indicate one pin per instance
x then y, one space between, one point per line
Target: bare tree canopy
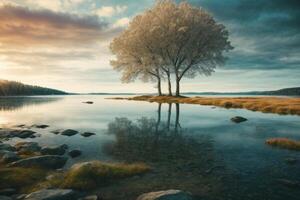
170 38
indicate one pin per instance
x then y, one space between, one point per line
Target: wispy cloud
108 11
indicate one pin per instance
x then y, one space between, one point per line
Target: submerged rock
7 147
52 194
42 126
69 132
27 147
166 195
238 119
8 156
57 150
47 162
87 134
56 131
24 134
74 153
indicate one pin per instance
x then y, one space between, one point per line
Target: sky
64 44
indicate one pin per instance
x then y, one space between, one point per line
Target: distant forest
13 88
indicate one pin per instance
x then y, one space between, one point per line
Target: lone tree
171 38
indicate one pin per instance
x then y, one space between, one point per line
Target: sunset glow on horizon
64 44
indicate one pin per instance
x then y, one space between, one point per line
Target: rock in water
8 156
27 147
88 102
25 134
58 150
238 119
69 132
47 162
52 194
166 195
87 134
74 153
7 147
42 126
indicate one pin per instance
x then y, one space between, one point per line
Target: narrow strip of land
279 105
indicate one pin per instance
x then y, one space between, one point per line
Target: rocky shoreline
29 171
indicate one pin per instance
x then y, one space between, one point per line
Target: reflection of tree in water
14 103
179 160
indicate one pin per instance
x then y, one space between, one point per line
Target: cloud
108 11
262 32
123 22
39 43
25 27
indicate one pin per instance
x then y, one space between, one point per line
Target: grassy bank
284 143
277 105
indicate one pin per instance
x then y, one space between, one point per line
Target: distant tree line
12 88
170 39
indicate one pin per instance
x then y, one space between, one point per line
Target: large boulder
48 162
7 147
27 147
166 195
52 194
8 156
24 134
238 119
69 132
57 150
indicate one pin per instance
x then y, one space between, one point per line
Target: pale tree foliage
134 56
170 38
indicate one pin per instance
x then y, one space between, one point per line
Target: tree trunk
169 84
158 117
177 87
159 86
169 116
177 117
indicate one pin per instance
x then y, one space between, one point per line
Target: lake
190 147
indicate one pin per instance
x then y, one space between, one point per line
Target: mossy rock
89 175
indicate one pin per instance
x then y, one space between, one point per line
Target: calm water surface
191 147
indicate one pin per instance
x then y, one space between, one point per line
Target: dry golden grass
284 143
90 175
277 105
21 179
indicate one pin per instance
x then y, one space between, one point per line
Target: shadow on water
15 103
179 160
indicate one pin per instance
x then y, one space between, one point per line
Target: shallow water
191 147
